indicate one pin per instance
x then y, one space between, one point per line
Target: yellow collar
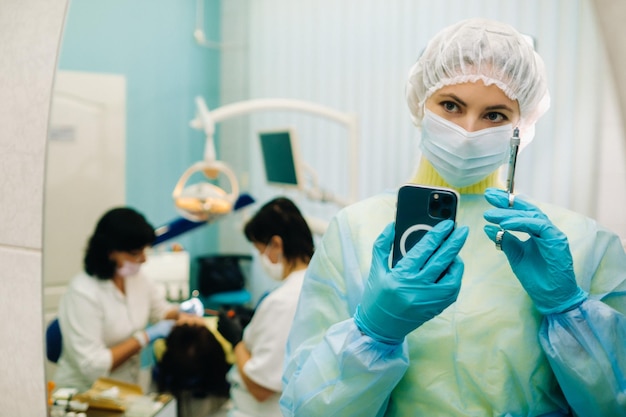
426 175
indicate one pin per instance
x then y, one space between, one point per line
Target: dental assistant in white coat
283 239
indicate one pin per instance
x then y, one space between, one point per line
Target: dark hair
281 217
119 229
195 361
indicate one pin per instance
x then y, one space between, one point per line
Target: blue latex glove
159 330
192 306
543 263
397 301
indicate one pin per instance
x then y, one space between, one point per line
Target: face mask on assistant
273 270
128 269
463 158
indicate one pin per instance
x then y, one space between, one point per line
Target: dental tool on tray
515 141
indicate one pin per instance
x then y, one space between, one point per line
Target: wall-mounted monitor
281 157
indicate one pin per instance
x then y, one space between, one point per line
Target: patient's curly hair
193 361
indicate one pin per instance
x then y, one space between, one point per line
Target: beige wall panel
30 31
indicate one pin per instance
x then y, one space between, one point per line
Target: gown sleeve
586 347
332 369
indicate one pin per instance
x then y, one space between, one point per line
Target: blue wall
151 43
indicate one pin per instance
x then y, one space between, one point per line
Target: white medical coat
94 315
265 337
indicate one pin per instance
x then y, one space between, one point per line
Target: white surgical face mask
463 158
128 269
273 270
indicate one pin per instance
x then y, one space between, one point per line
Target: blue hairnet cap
487 50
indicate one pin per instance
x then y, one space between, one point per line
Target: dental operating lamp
204 202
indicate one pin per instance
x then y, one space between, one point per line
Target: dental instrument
515 142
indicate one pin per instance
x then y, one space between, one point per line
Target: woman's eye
496 117
450 106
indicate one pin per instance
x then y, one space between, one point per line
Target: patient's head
194 360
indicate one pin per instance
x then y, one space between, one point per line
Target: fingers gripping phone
418 210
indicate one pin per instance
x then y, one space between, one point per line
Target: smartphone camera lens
441 205
434 205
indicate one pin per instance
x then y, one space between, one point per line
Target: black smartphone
419 209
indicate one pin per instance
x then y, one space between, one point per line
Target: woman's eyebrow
499 107
462 103
453 97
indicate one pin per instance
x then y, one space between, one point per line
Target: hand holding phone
398 300
419 208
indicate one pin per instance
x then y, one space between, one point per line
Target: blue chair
54 341
227 299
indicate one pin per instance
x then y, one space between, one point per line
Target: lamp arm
314 192
205 122
250 106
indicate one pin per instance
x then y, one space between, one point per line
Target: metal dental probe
515 141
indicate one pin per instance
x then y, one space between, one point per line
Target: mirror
145 67
119 131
